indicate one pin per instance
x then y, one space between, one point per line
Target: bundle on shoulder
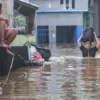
88 35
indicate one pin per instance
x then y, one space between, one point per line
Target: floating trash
0 91
58 59
0 88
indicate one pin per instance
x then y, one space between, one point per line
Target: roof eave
34 6
61 11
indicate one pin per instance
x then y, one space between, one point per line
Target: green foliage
20 21
27 43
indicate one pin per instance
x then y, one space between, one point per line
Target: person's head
87 44
0 8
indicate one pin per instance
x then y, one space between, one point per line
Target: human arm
79 41
2 18
97 41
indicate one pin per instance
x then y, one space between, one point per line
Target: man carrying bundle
87 39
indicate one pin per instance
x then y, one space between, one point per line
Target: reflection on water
72 78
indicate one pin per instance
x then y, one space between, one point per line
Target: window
73 4
61 1
67 4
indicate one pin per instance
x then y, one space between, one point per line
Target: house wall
54 19
55 4
57 19
96 16
8 10
51 13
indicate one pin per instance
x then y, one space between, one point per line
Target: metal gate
42 34
65 34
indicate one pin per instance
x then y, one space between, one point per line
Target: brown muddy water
67 77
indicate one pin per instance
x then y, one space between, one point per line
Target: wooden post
31 22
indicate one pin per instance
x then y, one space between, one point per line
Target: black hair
89 41
0 6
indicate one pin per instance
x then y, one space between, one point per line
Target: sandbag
88 35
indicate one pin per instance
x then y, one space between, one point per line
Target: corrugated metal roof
24 7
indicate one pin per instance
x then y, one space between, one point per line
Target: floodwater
67 77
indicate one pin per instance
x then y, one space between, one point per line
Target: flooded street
67 77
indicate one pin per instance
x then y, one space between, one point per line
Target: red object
38 57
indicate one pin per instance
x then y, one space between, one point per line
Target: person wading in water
87 50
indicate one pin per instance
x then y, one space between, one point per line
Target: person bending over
87 50
7 35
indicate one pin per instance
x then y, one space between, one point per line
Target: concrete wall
58 19
8 10
91 11
55 4
54 19
99 18
20 40
81 5
96 16
4 8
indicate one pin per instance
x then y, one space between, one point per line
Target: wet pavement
67 77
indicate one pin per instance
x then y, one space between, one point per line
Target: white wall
55 4
8 10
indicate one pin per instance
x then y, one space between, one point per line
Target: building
94 15
29 11
26 9
60 21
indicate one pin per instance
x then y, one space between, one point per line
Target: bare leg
10 36
2 32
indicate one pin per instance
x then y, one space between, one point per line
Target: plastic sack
37 57
88 35
31 51
44 52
